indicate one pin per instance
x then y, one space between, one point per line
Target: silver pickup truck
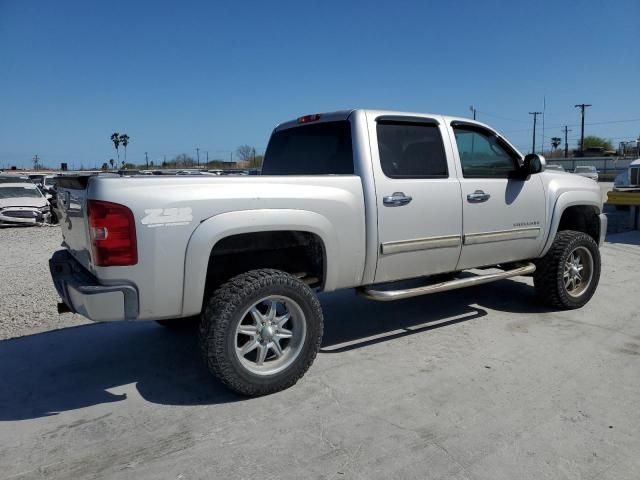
351 199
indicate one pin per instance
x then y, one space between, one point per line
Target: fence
606 165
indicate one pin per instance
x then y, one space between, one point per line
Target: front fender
564 201
214 229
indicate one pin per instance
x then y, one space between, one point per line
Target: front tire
260 332
568 275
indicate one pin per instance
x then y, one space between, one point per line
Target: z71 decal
167 217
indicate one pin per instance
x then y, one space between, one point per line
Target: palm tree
115 138
124 139
555 143
112 162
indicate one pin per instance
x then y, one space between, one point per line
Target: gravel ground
28 297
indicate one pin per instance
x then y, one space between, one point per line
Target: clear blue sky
215 75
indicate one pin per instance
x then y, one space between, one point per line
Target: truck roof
338 115
344 114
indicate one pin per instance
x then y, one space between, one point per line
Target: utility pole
535 118
146 158
207 157
565 129
582 106
473 110
35 161
198 155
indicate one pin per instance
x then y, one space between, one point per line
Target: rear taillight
113 234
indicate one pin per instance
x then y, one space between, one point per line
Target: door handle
478 197
396 200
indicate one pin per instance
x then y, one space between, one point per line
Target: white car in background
588 171
554 168
22 203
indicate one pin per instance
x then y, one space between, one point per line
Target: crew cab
351 199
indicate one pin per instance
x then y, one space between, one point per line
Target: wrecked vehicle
22 203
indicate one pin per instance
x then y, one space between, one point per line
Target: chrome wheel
270 335
578 271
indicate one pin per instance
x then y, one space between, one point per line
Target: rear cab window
314 149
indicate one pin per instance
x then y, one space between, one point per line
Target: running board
389 295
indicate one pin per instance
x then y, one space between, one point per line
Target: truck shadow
62 370
370 322
72 368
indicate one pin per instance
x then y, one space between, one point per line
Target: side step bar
389 295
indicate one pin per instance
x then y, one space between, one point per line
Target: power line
500 116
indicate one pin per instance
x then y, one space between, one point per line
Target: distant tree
594 141
256 162
115 138
164 164
105 166
245 152
183 160
112 162
124 140
151 163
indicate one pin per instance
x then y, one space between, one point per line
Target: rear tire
568 275
260 332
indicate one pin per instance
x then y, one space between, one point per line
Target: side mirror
533 163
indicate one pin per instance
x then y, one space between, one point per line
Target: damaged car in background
22 203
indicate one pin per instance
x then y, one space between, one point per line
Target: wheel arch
215 230
569 207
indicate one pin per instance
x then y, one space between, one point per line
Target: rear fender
214 229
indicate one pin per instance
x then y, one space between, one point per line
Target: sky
176 76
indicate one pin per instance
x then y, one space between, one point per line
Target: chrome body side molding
402 246
501 235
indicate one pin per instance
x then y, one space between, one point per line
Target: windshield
17 192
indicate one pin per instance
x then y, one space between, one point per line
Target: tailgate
72 211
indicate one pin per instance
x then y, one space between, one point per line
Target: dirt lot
481 383
28 297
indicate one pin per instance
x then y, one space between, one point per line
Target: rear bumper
83 294
603 228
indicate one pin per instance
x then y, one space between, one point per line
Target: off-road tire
548 277
222 314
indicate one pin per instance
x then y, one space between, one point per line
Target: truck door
504 217
418 197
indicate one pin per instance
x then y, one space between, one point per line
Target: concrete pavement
481 383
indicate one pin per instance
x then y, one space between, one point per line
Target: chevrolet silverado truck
351 199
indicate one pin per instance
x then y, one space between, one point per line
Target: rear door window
316 149
411 150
